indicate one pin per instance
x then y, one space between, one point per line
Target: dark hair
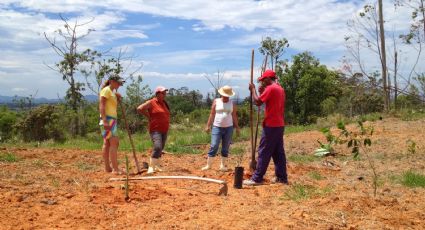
106 83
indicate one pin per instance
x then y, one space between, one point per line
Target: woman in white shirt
223 113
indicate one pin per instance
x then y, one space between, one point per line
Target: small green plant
327 148
411 147
358 141
55 183
412 179
8 157
315 175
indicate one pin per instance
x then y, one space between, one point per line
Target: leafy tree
136 93
273 48
307 85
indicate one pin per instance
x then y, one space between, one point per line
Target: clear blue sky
179 42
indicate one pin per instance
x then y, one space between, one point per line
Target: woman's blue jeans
220 134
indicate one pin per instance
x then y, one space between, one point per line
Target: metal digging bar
223 189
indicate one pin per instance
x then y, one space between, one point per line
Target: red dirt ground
67 189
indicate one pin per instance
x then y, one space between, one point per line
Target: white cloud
19 89
318 26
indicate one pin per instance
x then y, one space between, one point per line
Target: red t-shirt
159 114
274 98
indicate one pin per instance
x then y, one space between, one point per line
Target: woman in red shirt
158 113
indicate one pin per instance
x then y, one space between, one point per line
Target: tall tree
274 49
68 67
367 34
383 56
307 85
216 82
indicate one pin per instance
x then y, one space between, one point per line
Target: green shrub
42 123
7 121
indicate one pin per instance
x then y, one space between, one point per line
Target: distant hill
42 100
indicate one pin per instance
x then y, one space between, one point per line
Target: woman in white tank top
223 119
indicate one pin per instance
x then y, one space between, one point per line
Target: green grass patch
179 149
8 157
412 179
299 192
315 175
302 159
299 128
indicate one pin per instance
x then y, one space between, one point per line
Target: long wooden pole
253 163
259 107
131 139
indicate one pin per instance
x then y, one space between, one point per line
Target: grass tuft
315 175
302 159
8 157
412 179
300 192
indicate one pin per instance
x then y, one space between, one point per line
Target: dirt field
67 189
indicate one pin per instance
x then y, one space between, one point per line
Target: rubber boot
223 164
157 167
209 163
151 168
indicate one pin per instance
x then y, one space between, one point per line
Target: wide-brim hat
226 91
267 74
117 78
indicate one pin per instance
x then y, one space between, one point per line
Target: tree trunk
383 56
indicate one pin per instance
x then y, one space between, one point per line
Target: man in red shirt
271 143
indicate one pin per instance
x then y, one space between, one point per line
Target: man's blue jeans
220 134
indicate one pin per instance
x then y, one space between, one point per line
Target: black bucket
238 177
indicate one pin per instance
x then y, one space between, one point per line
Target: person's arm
255 97
143 108
102 109
235 120
210 118
118 95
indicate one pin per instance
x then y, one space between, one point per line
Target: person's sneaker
277 180
250 182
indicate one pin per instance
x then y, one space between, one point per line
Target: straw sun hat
226 91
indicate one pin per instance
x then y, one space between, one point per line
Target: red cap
268 73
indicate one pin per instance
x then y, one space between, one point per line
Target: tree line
312 89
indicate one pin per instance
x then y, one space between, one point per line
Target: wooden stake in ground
253 163
139 171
